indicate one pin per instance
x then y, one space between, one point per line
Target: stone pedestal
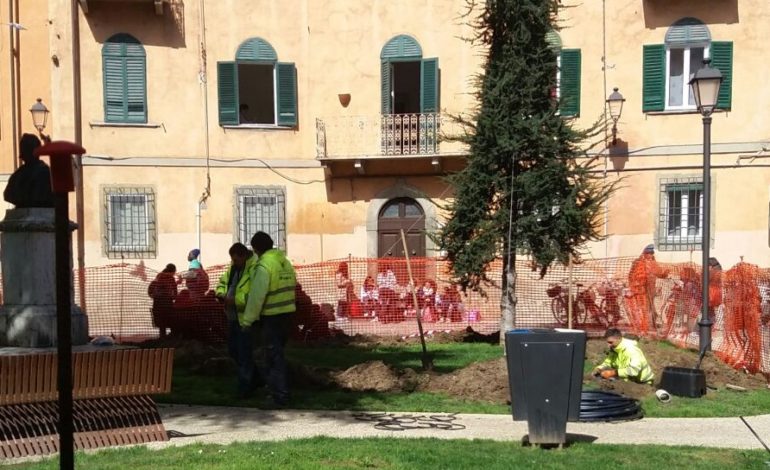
27 257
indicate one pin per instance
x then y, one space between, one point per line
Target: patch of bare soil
488 381
485 381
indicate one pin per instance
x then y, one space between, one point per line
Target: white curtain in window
129 222
259 213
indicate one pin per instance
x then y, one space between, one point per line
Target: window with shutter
668 67
409 84
568 69
124 74
410 88
256 88
569 82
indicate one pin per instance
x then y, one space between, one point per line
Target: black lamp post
705 88
615 104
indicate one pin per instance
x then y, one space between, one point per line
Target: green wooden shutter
386 72
722 59
256 49
124 67
569 85
401 47
136 89
286 77
114 89
429 91
227 89
654 78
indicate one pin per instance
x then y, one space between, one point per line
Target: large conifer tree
528 187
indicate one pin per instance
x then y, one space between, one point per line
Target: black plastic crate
683 382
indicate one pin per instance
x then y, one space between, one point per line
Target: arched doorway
396 214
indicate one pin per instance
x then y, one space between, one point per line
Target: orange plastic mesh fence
372 296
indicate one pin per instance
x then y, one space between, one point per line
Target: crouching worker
233 290
624 360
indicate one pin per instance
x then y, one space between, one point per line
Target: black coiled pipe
607 406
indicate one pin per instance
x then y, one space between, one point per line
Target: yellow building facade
321 122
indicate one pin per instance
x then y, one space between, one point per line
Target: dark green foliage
518 140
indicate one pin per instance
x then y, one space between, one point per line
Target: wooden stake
427 364
569 293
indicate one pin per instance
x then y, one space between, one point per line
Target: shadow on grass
447 357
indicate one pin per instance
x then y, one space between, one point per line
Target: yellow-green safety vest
281 296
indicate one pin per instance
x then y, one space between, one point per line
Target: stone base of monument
34 326
28 260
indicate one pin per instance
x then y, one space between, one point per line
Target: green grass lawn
718 403
191 388
394 453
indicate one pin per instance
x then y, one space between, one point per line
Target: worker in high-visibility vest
272 301
625 360
233 290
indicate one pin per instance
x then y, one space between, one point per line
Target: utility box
545 374
683 382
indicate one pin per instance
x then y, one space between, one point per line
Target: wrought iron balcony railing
387 134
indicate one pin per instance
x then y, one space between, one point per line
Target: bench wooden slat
32 378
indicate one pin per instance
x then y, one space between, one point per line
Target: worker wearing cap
641 282
625 360
192 258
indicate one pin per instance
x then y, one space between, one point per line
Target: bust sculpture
30 184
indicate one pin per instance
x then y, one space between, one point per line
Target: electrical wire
221 160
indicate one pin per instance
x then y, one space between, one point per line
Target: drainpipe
606 135
203 77
12 44
77 121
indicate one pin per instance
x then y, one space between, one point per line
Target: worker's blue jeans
275 334
240 345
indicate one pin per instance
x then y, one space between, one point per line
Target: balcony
158 4
369 145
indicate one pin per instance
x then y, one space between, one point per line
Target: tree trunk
508 298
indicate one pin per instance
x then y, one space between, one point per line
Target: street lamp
39 117
705 88
615 104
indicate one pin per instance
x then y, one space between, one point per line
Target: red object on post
62 167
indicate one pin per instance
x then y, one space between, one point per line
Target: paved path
222 425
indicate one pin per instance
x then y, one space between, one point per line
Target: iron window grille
130 229
260 208
680 219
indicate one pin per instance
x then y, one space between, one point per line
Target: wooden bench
111 392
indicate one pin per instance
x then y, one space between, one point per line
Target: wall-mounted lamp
39 117
615 103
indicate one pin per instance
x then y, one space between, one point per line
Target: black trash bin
545 374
